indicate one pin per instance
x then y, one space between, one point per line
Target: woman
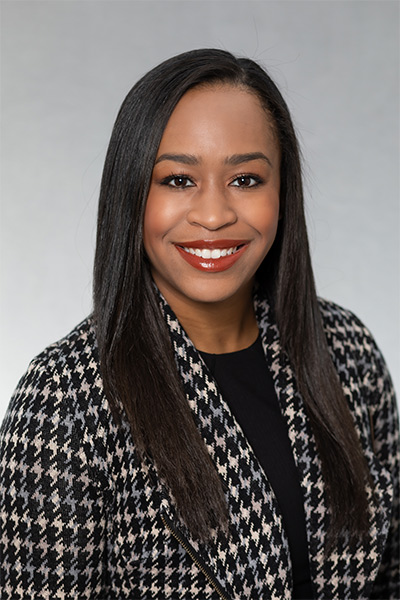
213 430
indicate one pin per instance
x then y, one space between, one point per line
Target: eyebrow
186 159
235 159
238 159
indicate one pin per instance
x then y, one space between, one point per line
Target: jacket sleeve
52 518
384 415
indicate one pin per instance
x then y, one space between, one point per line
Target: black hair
136 357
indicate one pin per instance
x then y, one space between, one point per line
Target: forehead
211 117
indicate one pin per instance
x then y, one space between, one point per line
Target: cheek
160 217
265 218
155 221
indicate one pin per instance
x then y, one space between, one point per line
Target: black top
246 384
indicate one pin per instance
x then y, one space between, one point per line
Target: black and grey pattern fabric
81 517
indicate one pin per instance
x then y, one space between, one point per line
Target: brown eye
246 181
178 181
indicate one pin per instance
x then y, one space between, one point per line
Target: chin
215 291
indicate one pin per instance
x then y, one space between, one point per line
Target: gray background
66 67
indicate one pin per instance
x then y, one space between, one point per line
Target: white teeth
206 253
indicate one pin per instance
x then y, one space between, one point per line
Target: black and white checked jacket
81 518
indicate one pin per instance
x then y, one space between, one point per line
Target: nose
211 209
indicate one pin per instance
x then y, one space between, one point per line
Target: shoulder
353 348
72 357
343 327
67 368
340 322
60 397
79 346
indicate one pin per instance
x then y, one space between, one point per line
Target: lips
212 256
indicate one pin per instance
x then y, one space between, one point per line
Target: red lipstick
213 264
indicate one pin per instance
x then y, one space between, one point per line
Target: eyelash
258 180
167 180
170 178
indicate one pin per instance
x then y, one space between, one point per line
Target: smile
216 253
212 256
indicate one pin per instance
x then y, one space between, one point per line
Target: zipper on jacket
195 558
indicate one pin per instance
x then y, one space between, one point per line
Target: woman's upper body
83 517
124 471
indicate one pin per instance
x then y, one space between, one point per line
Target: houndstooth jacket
81 517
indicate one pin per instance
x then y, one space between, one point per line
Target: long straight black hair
136 357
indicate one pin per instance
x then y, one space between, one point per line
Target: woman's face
213 206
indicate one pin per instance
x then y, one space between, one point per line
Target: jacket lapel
346 571
301 439
254 561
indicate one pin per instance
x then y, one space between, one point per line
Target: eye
178 181
246 181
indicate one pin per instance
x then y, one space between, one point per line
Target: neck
218 327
